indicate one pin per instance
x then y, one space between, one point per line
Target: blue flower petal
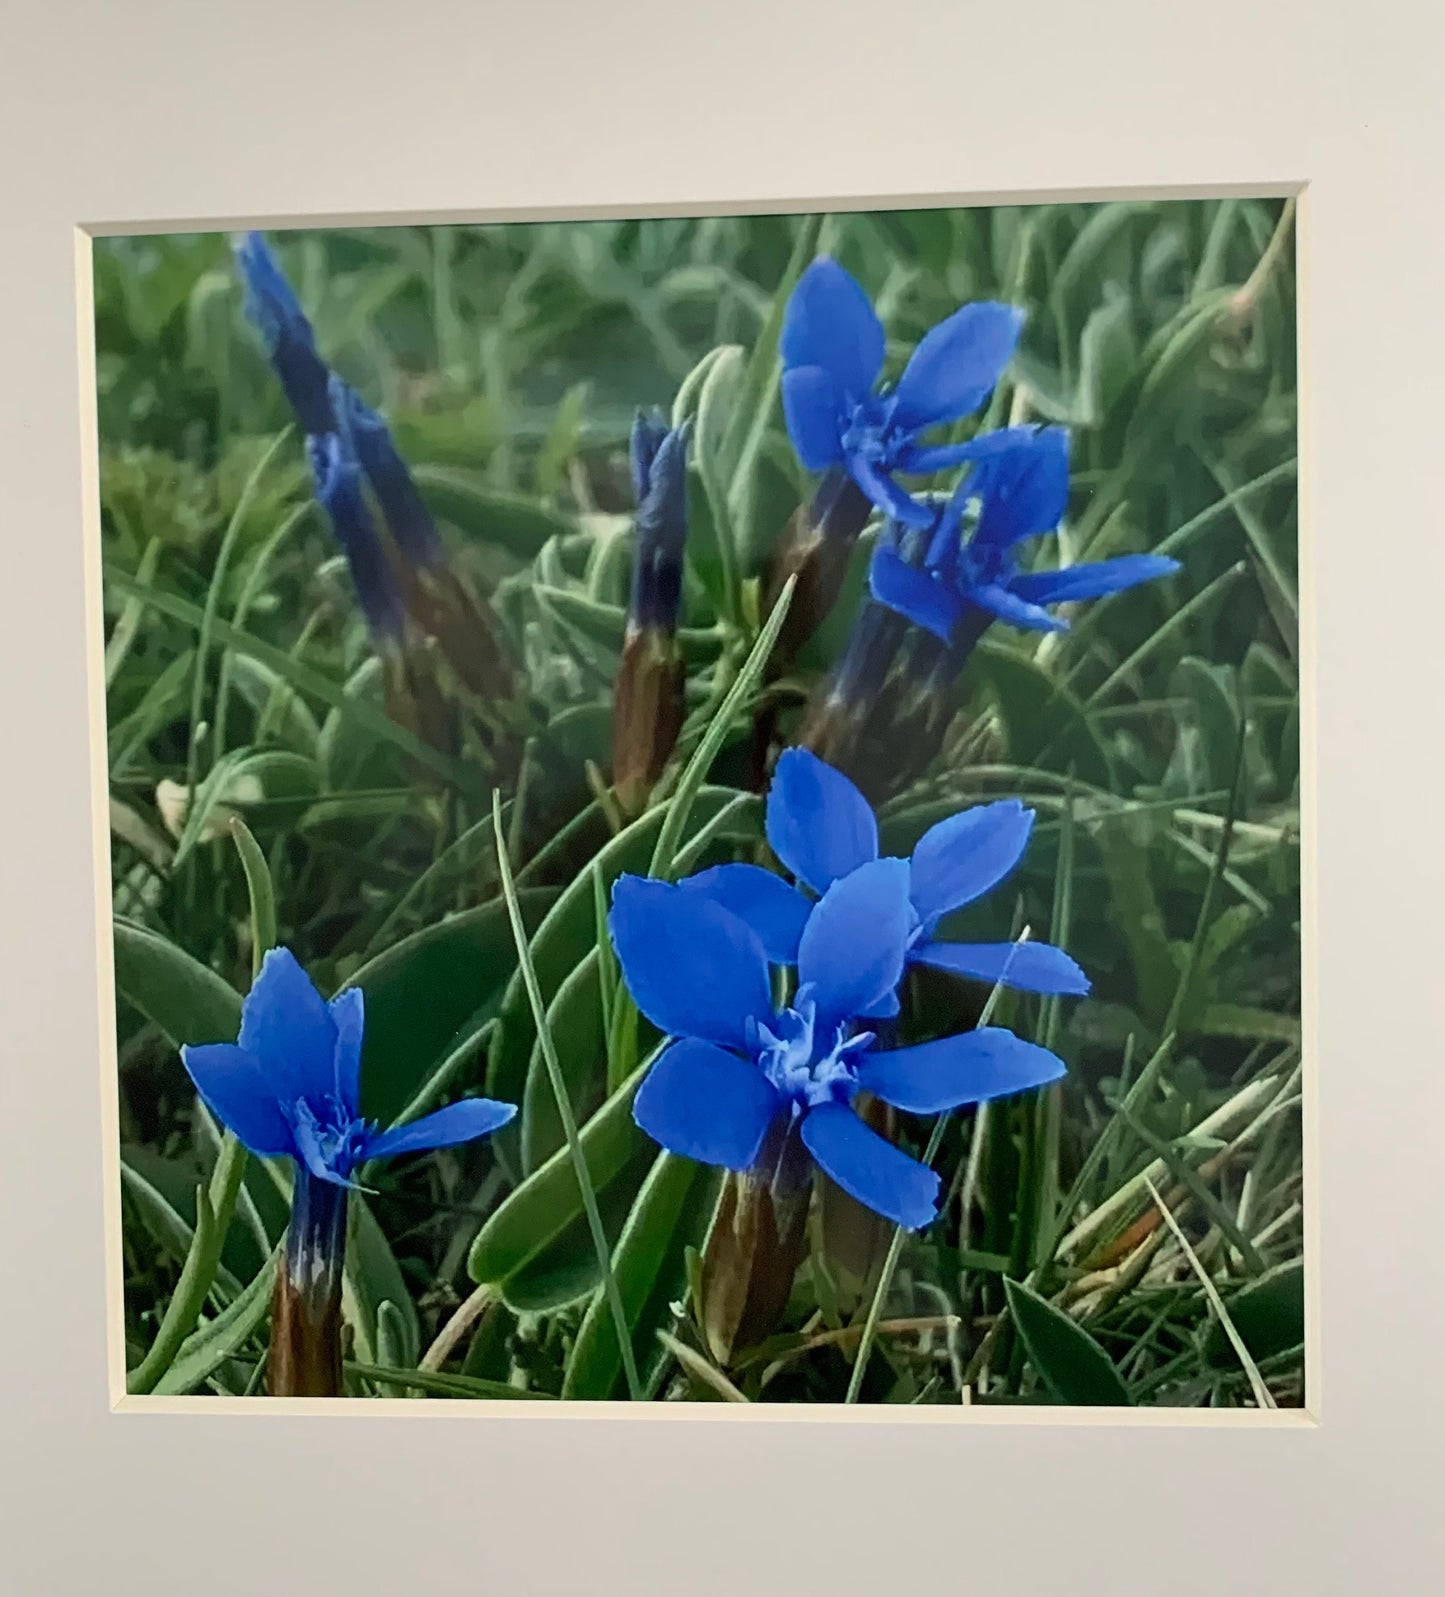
287 1028
238 1090
956 364
330 1164
869 1168
818 824
649 428
853 947
988 1063
888 1007
1024 486
707 1104
922 598
1092 581
1000 602
812 408
348 1014
1031 967
830 323
692 968
960 858
774 909
458 1122
886 494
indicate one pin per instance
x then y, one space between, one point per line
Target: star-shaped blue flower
745 1081
291 1082
822 829
1020 481
832 346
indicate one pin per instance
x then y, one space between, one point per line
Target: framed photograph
732 831
719 814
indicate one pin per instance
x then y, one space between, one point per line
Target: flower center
805 1065
982 564
869 434
337 1139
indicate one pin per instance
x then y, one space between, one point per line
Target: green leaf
187 1001
685 401
565 936
575 1019
421 991
1071 1363
1085 266
208 1347
520 526
1269 1315
1250 1023
539 1211
671 1214
606 624
563 439
1042 717
172 1232
437 1384
567 1271
1213 695
1139 919
373 1278
164 700
279 774
1107 355
712 549
289 719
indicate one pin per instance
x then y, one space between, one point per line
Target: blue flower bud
338 488
407 518
659 476
273 309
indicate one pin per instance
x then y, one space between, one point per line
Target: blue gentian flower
290 1085
337 475
658 457
754 1087
832 346
952 586
291 1082
275 312
823 829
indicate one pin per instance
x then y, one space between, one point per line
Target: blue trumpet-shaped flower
832 346
823 830
291 1082
951 586
744 1081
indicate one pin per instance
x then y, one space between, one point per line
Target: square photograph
707 809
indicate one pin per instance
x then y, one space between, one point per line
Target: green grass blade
564 1103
